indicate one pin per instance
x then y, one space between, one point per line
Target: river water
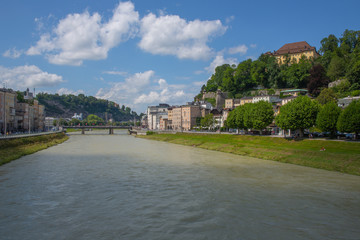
99 186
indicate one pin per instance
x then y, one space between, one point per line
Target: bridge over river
111 128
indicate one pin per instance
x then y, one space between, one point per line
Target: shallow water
98 186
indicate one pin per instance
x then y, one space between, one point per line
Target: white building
154 113
344 102
266 98
78 116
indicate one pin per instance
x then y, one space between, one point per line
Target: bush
150 133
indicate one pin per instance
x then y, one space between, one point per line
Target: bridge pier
83 131
111 131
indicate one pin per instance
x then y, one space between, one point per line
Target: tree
350 40
20 96
92 119
231 119
242 76
297 74
298 114
258 115
349 119
317 79
208 121
216 79
327 118
74 122
259 75
336 68
354 73
326 95
235 118
329 44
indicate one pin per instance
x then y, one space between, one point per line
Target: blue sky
141 53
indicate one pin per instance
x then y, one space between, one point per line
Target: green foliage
336 68
60 105
326 95
327 118
349 120
298 114
354 73
230 121
261 114
211 100
251 115
198 121
20 96
208 121
340 58
150 133
94 120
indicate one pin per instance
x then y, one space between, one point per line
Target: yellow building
294 51
245 100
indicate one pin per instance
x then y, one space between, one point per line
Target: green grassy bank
338 156
12 149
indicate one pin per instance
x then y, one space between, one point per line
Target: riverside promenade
11 136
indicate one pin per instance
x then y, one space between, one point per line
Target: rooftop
296 47
294 90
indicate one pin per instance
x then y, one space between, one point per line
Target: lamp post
29 116
4 103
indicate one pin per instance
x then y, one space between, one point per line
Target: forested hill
339 59
66 105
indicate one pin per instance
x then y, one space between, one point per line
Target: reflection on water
99 186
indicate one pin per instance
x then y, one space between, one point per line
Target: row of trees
251 116
300 114
340 59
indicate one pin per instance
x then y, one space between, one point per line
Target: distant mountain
66 105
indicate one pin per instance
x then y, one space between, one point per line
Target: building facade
184 117
18 115
267 98
293 52
245 100
154 113
231 103
7 112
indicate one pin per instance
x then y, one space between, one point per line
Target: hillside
339 59
65 106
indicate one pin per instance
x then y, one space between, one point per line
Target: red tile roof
297 47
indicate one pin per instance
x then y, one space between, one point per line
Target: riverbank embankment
329 155
11 149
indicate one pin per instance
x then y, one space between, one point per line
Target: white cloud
28 76
116 73
253 45
229 19
172 35
220 60
242 49
142 89
83 36
124 90
65 91
165 94
199 83
12 53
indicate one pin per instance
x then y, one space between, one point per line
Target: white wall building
154 113
266 98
